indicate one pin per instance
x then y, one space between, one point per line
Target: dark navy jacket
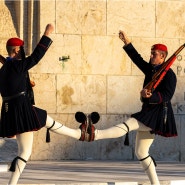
18 115
153 109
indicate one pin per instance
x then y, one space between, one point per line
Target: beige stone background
99 76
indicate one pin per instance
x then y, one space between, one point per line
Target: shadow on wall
14 8
26 21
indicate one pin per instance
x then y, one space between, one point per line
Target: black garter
150 162
13 164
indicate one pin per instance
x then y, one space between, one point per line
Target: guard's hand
145 93
123 37
48 30
32 83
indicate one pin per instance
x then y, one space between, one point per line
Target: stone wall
99 76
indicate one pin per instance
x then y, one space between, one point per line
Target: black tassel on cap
48 134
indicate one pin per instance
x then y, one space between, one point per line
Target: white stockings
120 129
24 142
62 129
144 139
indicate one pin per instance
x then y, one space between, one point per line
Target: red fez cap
161 47
15 42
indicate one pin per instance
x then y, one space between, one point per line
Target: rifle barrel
159 75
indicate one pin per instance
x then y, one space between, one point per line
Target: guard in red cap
159 53
156 115
160 47
15 42
18 116
11 45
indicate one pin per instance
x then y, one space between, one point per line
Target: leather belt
14 96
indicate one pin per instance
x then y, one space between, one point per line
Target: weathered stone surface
104 55
62 46
81 93
47 14
168 16
7 27
87 17
98 76
45 97
136 18
119 91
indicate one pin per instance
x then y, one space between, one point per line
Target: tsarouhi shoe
87 127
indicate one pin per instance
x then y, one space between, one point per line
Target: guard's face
17 52
156 57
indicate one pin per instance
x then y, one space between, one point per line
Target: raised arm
124 38
48 30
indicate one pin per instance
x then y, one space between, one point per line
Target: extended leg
143 142
24 142
59 128
120 130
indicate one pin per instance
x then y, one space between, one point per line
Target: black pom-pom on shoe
95 117
80 117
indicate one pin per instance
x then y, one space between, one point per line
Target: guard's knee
152 160
139 154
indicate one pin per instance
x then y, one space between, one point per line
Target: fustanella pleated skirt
18 115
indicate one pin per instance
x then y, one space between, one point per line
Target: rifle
159 75
2 60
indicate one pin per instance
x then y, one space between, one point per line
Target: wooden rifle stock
2 59
159 75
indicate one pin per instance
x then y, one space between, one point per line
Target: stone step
4 168
72 172
113 183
